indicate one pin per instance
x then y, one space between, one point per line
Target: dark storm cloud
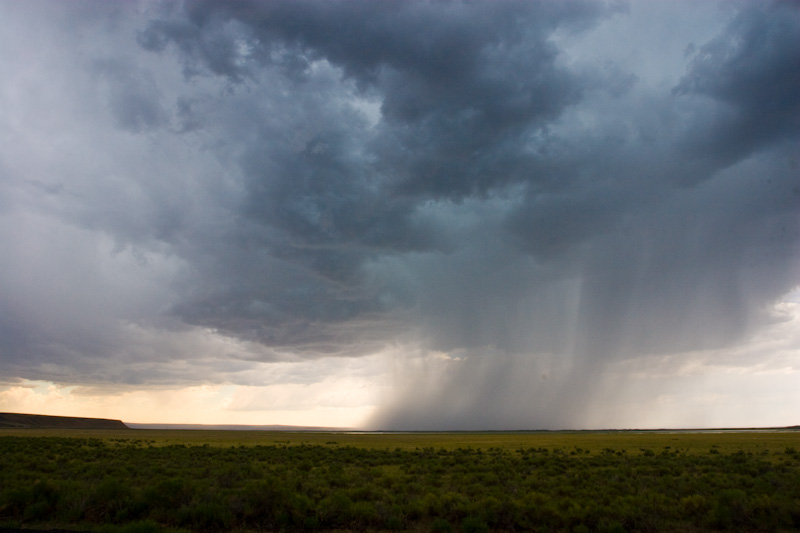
132 96
752 72
462 91
318 179
461 85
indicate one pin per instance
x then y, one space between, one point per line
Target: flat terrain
691 442
195 480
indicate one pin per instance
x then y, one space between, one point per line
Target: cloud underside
203 188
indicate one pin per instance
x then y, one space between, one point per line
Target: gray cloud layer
329 178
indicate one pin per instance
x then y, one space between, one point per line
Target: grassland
692 442
195 480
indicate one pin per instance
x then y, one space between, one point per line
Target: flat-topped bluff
19 420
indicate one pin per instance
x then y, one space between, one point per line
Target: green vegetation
593 441
146 481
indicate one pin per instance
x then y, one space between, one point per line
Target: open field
153 480
691 442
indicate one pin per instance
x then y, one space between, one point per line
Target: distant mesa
241 427
24 421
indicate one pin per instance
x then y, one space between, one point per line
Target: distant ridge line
238 427
322 429
29 421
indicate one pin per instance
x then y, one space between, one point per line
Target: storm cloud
507 196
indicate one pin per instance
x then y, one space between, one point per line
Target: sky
401 214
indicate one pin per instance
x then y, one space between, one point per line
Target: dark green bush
474 524
441 525
121 485
730 509
143 526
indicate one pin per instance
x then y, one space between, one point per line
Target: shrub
205 516
363 514
109 501
441 525
394 522
335 510
610 526
14 501
143 526
730 509
69 483
474 524
43 500
168 494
